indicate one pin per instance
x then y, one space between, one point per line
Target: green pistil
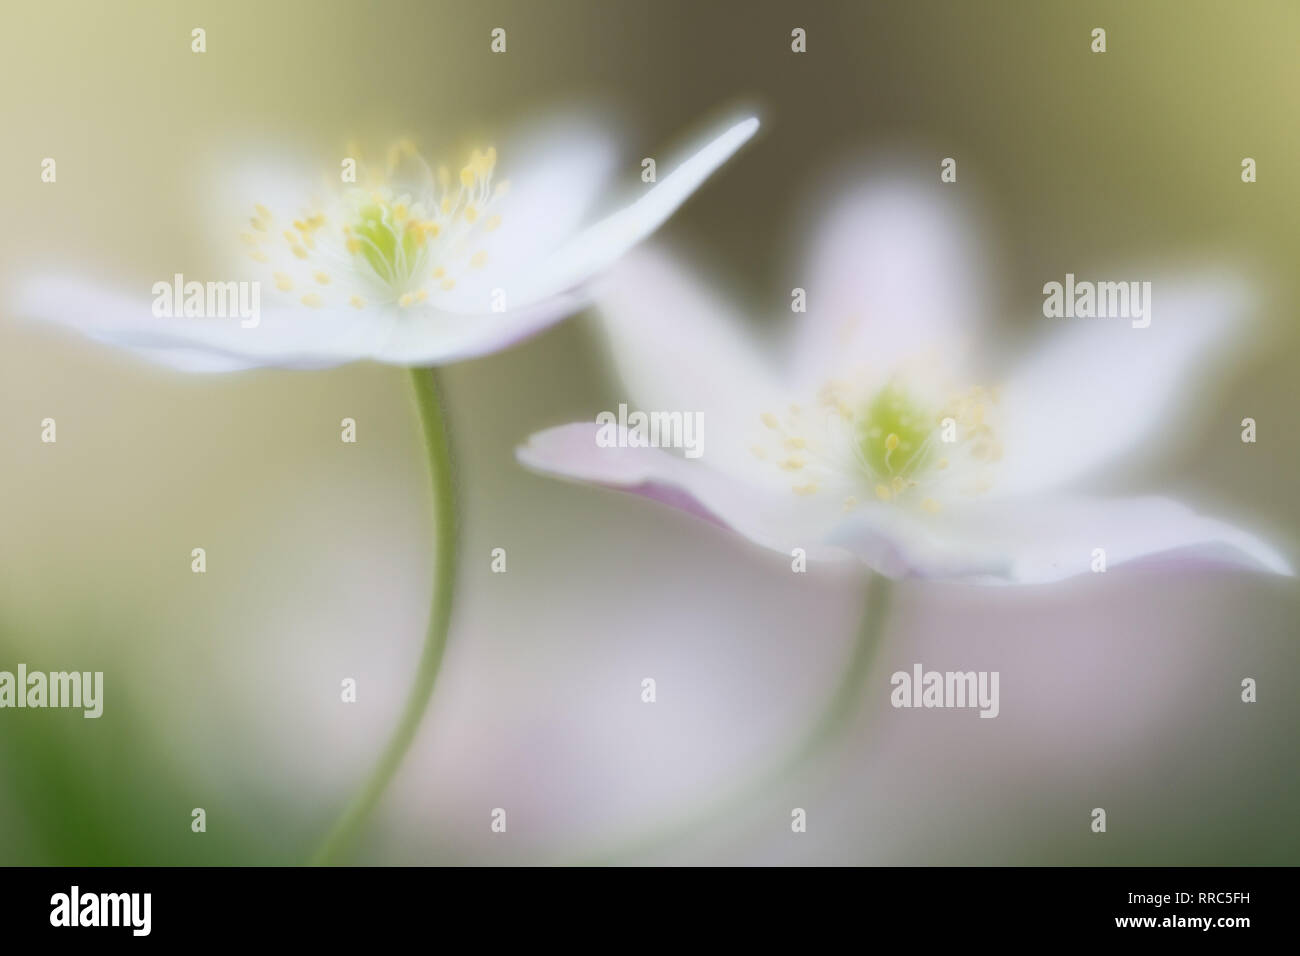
893 413
381 250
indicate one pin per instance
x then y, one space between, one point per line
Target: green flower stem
829 724
438 448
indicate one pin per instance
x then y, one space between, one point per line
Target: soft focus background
222 690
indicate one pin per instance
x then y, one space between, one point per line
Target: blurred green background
222 689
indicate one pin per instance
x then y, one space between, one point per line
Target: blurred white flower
879 439
410 264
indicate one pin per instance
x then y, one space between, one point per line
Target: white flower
411 264
843 452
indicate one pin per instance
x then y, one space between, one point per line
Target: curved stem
438 448
839 708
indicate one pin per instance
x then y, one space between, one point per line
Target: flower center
395 235
893 433
379 237
890 444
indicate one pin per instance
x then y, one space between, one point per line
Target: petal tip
746 128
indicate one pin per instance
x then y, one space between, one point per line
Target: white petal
555 286
557 172
231 186
894 272
284 337
1100 386
1048 539
678 347
424 336
597 247
779 522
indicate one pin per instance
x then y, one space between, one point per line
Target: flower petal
231 185
1047 539
426 336
894 272
1101 386
287 338
779 522
557 171
677 347
556 286
597 247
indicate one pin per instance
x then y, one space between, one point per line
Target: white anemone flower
410 264
407 264
881 438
